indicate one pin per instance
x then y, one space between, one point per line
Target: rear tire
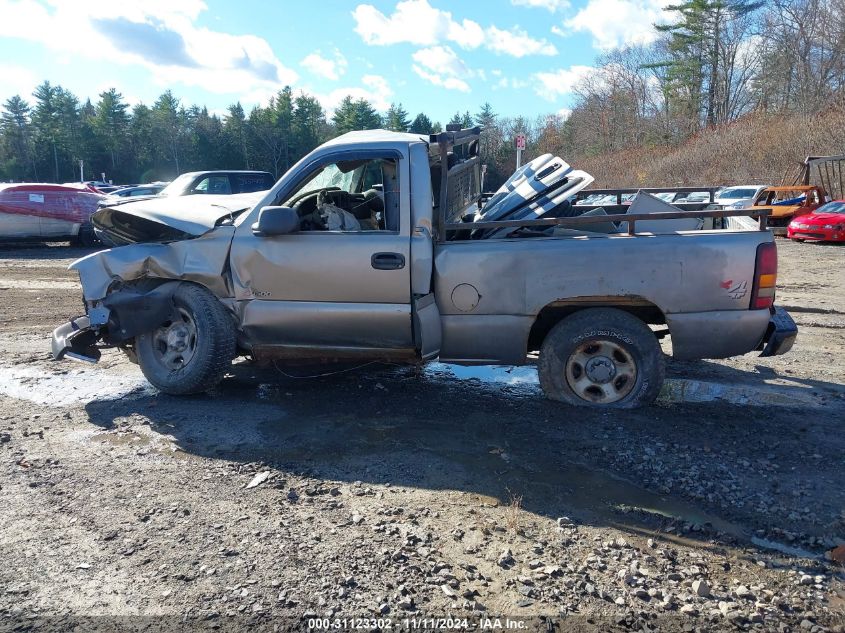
191 353
601 357
86 237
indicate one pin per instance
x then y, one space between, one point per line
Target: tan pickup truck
377 245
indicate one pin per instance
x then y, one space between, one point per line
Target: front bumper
75 339
780 335
816 233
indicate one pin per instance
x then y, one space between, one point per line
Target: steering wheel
294 201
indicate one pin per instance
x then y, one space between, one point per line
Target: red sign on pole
520 141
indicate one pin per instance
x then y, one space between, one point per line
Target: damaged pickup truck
379 245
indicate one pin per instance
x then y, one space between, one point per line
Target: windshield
327 178
832 207
177 187
735 193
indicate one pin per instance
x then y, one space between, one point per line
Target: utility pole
81 170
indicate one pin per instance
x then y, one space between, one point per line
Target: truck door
342 283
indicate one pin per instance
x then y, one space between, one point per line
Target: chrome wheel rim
175 343
601 371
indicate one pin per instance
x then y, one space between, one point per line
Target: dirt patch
396 493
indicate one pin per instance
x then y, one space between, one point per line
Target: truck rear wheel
601 357
190 353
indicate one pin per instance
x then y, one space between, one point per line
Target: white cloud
160 35
510 82
414 22
615 23
417 22
376 90
442 67
549 5
441 58
551 85
450 83
564 113
324 67
16 80
517 43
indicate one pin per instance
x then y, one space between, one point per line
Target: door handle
388 261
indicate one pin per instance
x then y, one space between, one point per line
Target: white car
738 196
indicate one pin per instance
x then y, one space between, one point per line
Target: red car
825 224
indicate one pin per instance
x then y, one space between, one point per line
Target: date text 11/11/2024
482 624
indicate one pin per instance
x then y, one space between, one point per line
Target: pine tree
486 118
111 124
235 137
169 128
695 63
396 118
45 123
16 136
309 124
422 125
141 148
354 114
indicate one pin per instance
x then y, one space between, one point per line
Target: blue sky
523 56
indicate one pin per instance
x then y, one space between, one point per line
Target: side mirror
276 221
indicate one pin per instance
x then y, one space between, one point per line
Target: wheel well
555 312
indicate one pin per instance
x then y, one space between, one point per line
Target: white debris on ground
65 387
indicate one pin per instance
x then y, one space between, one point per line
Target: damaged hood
160 219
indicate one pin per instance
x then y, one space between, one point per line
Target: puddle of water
783 549
493 374
685 390
603 494
674 389
70 387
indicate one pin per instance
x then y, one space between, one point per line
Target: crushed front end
129 290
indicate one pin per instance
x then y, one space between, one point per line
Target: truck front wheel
191 352
601 357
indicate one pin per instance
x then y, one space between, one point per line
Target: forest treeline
746 74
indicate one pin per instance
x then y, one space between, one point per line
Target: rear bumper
780 335
75 339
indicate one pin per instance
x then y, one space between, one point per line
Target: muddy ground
399 493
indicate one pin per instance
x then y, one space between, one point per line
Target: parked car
825 224
361 251
216 182
34 211
785 203
221 183
134 191
693 197
738 196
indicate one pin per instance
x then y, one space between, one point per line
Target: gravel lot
400 493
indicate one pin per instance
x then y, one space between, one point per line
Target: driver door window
217 185
349 196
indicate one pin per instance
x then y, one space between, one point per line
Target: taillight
765 276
